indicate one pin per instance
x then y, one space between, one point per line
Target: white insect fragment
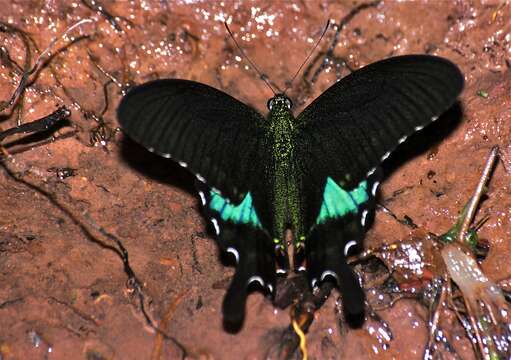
348 246
215 224
202 198
255 278
363 217
235 252
328 273
375 187
386 155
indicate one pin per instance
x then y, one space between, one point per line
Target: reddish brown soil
62 284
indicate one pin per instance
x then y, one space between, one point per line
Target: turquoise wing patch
244 213
338 202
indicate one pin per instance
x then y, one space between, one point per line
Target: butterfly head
279 102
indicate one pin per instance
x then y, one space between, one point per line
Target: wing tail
326 258
353 296
255 259
235 299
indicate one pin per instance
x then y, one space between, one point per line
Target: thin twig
37 65
94 6
95 62
42 124
474 201
434 320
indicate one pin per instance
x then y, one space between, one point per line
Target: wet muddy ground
73 207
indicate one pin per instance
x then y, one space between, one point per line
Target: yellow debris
301 335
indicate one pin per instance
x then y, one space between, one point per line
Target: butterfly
315 174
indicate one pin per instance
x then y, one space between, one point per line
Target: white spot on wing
215 224
255 278
235 252
281 271
400 141
348 246
375 187
314 282
363 217
328 273
182 163
420 127
151 149
371 172
202 198
386 155
434 118
301 268
200 178
270 287
167 156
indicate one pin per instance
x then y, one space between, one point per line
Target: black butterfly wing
220 140
211 133
345 134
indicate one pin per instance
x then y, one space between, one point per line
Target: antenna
261 75
308 56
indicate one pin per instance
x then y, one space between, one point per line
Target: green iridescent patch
244 213
338 202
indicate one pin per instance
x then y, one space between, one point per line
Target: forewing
214 135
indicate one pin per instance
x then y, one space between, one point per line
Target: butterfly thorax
282 172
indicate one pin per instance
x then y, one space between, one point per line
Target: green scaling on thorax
282 171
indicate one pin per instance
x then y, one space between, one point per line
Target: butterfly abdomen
285 187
